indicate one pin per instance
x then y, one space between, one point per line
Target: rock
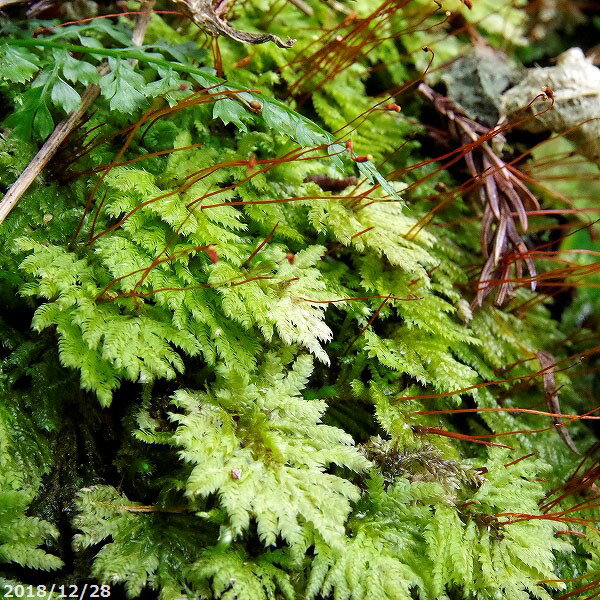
477 81
575 85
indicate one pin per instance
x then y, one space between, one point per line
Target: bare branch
305 8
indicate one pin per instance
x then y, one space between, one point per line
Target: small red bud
392 107
255 106
362 159
349 146
548 92
211 252
291 258
184 86
251 162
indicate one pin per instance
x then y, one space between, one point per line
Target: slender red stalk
260 246
508 410
458 436
578 356
370 321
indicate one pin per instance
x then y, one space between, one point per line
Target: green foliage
24 458
230 575
262 449
232 366
144 550
419 534
21 535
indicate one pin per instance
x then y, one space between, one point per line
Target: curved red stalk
260 246
508 410
576 357
370 321
458 436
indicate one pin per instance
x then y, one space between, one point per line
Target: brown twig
46 153
63 130
142 22
175 510
547 362
4 3
305 8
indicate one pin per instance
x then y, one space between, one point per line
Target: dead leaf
211 17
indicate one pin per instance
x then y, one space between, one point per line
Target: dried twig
174 510
342 8
502 194
305 8
210 16
63 130
46 153
142 22
5 3
547 362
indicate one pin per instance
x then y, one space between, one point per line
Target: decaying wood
210 16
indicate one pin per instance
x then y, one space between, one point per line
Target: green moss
259 347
